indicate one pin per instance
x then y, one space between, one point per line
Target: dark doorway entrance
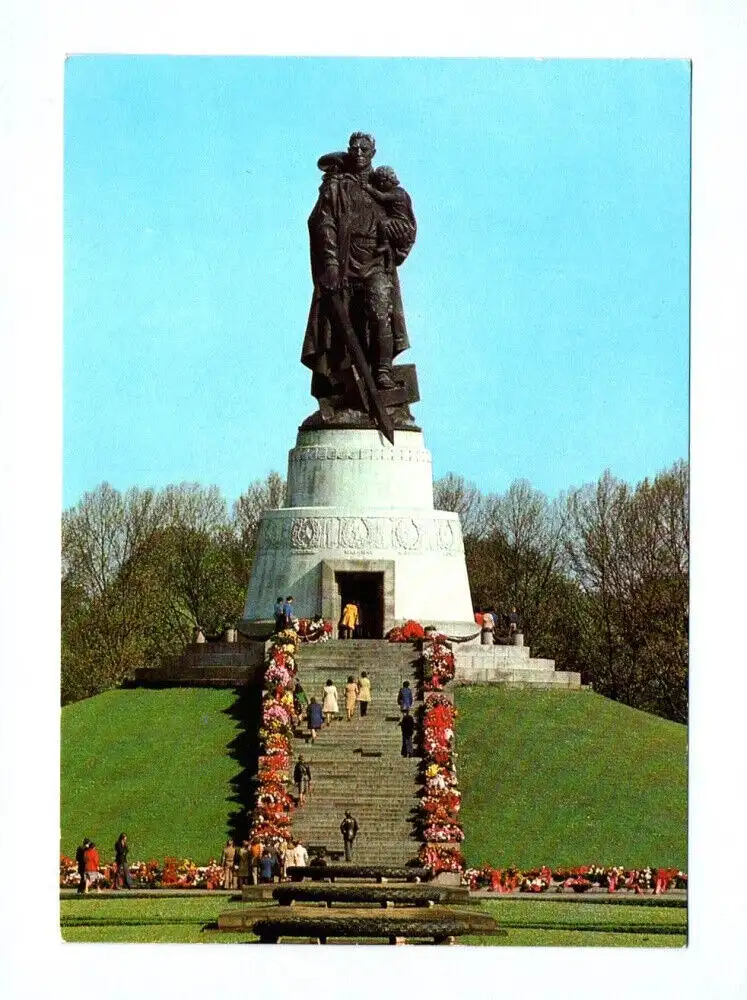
367 591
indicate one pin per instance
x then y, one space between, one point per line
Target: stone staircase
357 765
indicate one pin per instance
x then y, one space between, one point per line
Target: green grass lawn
193 920
555 777
569 778
152 763
554 923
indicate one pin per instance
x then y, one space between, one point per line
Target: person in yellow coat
364 692
351 696
349 619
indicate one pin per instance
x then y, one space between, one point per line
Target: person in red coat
91 867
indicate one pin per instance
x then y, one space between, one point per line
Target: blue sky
547 295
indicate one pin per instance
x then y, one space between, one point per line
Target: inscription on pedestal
315 453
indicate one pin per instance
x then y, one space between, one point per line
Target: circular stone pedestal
360 511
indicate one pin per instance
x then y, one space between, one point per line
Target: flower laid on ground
276 743
274 767
536 881
439 858
411 631
439 778
275 715
447 832
441 808
68 872
173 873
314 630
438 729
438 663
278 673
287 637
579 879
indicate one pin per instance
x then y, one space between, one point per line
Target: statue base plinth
360 526
343 410
328 418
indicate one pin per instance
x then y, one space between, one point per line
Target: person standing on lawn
364 692
302 855
289 858
91 865
254 854
242 861
349 830
228 859
80 861
407 725
266 866
121 871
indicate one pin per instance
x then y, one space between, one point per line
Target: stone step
369 645
385 833
347 776
333 809
357 765
373 668
380 687
324 841
370 833
340 790
323 801
386 744
329 810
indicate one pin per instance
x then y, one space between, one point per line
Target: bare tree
104 588
455 494
628 551
200 582
518 560
261 495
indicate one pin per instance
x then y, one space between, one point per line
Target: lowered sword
365 380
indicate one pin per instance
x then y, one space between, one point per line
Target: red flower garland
274 806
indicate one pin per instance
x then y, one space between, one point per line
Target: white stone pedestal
359 505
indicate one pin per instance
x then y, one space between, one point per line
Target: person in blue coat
315 717
405 697
266 864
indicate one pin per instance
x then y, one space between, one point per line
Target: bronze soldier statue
361 229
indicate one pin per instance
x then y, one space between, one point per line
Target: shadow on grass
246 711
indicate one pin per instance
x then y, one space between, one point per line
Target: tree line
600 576
142 569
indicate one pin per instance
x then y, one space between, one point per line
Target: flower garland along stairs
357 765
441 799
273 807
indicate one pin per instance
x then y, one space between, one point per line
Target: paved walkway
675 897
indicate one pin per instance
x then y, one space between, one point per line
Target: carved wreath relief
362 535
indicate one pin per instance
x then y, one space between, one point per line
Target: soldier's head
361 150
